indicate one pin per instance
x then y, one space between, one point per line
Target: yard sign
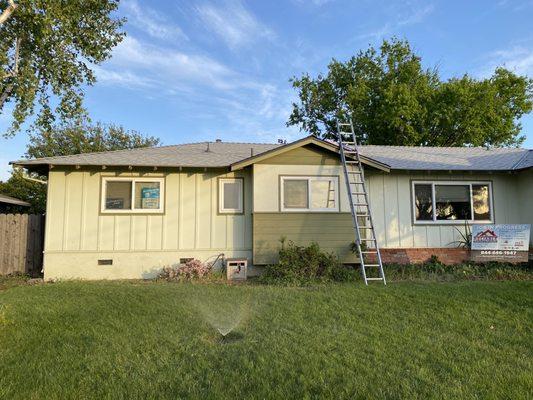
504 242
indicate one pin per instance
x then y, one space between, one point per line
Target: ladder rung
371 265
355 172
369 252
360 204
353 162
358 193
368 240
374 279
366 227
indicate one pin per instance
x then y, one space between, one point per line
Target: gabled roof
13 200
239 155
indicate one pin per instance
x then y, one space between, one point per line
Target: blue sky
203 69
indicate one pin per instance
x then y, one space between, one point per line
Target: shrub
191 270
300 264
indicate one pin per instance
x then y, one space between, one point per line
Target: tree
75 138
27 190
47 49
65 140
393 100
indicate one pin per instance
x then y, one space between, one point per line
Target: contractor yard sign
503 242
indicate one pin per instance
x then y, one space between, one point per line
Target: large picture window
309 193
450 202
132 195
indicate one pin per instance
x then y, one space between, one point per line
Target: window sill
451 223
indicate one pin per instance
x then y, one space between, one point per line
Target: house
8 203
126 214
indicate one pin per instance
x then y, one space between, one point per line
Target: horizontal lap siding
332 231
190 222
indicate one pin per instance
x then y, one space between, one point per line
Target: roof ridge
447 147
143 148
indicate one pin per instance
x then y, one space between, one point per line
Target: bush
191 270
300 264
434 270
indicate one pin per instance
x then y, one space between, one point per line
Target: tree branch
8 11
9 88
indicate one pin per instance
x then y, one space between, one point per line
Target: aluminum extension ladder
365 234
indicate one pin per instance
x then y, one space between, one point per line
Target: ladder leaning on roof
359 202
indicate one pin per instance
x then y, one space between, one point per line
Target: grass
124 340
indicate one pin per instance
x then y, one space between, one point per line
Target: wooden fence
21 243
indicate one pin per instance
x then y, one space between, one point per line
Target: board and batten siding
78 234
391 205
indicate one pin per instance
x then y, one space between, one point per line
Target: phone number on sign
498 252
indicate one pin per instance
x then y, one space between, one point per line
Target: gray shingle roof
223 154
450 158
220 154
13 200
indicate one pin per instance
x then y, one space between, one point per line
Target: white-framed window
230 196
309 193
132 195
446 202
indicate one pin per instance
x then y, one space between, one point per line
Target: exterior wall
78 235
446 255
390 201
525 196
331 230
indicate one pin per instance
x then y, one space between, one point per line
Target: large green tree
75 138
64 140
47 49
393 100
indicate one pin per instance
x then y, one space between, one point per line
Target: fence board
21 243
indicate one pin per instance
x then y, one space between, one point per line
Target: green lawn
118 340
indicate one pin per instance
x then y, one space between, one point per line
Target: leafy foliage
63 140
393 100
300 264
47 49
23 189
73 138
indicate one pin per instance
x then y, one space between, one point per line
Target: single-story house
8 203
128 213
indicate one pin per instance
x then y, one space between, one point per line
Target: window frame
436 221
221 209
309 178
133 180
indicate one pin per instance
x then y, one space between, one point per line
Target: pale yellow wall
390 200
525 196
267 183
77 234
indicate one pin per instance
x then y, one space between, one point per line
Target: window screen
295 193
118 195
231 195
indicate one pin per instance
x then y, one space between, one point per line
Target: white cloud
233 23
518 59
416 16
150 21
138 64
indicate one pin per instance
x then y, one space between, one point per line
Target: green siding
332 231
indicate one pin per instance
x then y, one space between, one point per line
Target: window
309 193
230 191
132 195
451 202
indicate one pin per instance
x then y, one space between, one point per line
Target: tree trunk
7 12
